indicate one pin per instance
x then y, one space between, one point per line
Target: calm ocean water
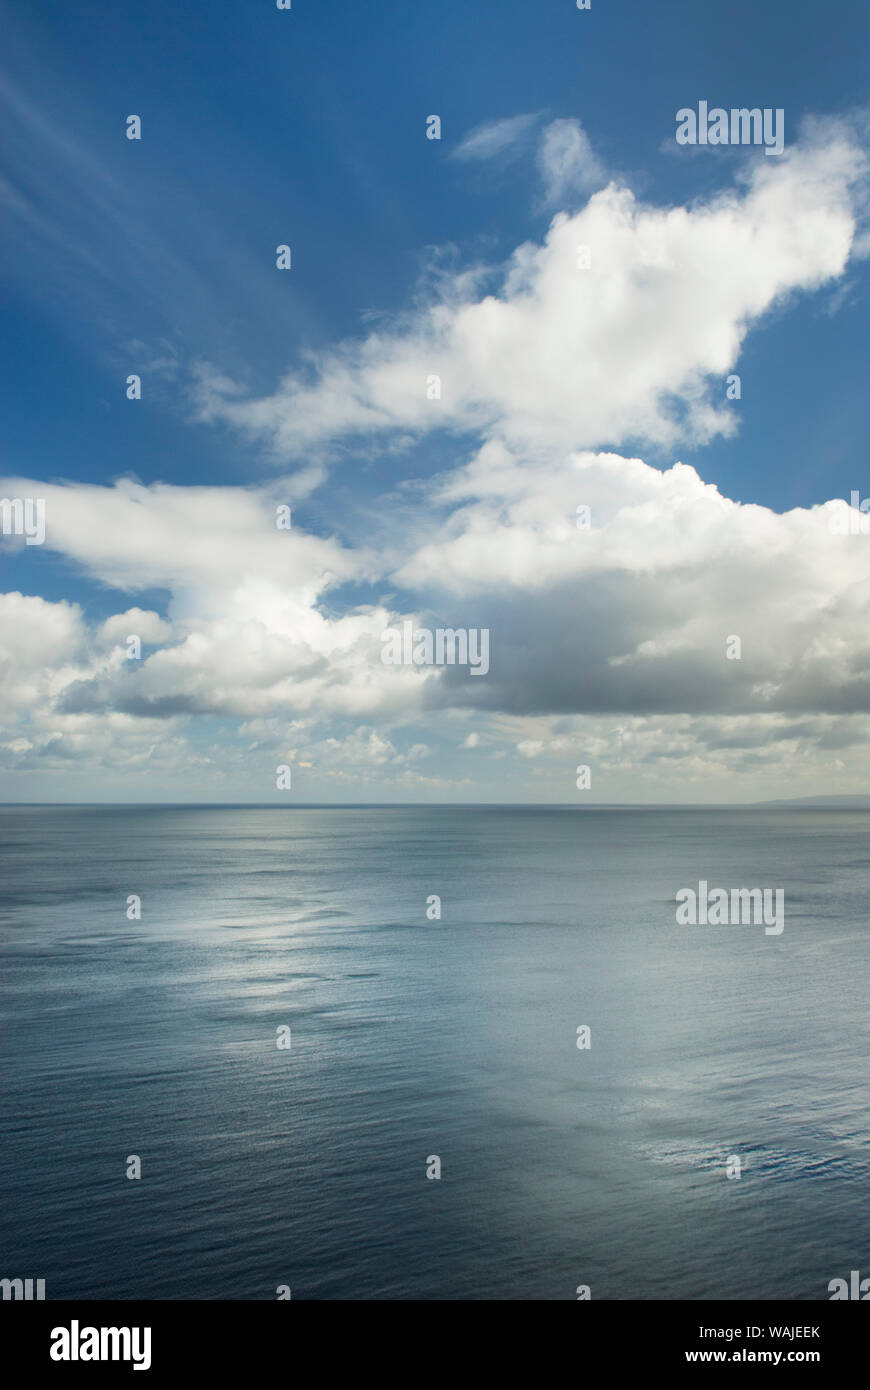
411 1038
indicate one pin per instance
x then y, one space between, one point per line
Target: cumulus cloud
246 630
40 643
633 613
200 542
607 641
633 757
144 624
618 327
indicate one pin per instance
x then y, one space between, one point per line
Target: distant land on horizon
861 801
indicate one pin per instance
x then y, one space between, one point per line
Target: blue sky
307 127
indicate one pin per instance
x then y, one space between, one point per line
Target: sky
494 392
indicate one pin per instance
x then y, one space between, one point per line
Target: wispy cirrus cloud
496 138
567 163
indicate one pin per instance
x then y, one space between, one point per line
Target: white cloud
248 632
630 616
634 613
568 163
607 645
40 644
634 347
147 625
494 137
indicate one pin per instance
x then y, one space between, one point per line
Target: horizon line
796 802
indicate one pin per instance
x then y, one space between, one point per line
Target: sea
431 1053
